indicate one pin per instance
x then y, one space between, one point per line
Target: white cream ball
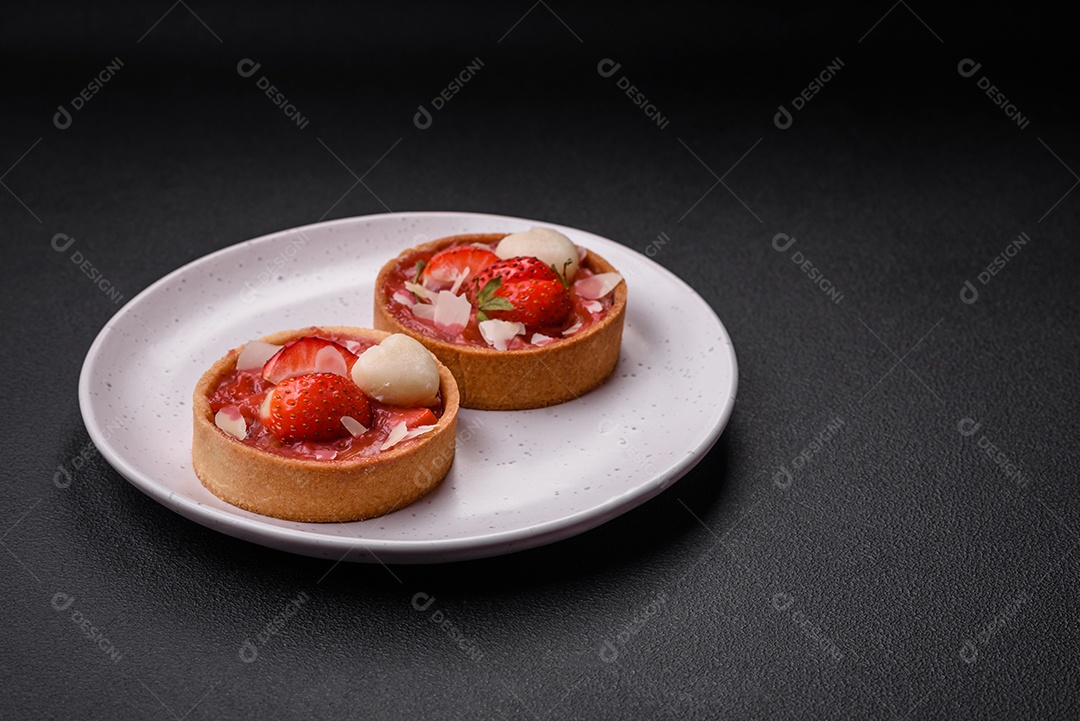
548 245
399 371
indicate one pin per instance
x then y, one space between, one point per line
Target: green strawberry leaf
487 300
488 290
498 303
416 278
562 275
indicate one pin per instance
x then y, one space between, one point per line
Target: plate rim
469 547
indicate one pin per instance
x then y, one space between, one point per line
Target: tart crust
309 490
490 379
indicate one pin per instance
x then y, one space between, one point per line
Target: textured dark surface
899 572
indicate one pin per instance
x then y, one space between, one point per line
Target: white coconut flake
420 291
353 346
419 431
330 360
255 354
353 426
264 407
597 286
582 253
397 434
540 340
593 306
424 311
440 275
451 312
325 454
404 298
231 421
459 279
572 329
499 333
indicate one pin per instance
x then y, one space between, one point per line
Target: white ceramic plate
520 478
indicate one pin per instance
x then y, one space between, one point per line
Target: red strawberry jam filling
549 307
299 368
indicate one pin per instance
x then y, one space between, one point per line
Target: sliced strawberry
302 356
522 290
390 416
243 386
310 408
456 266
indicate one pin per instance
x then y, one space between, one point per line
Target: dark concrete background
899 572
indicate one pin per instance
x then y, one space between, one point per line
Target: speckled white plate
520 478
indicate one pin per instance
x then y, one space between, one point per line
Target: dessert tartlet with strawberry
522 320
325 424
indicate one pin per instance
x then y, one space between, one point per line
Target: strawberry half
308 355
310 408
447 266
523 290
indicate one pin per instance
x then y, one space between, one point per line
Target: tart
522 320
324 424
